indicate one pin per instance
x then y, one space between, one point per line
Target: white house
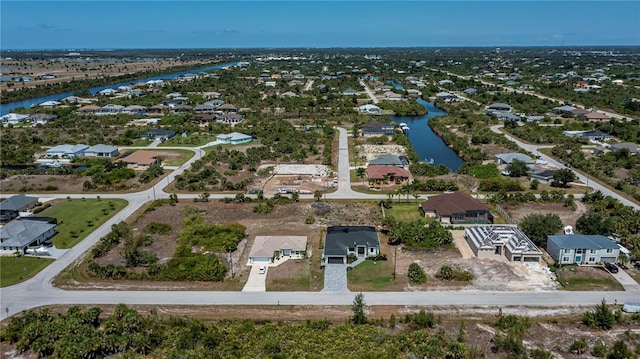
49 104
494 242
18 235
234 138
67 150
108 92
582 249
370 109
14 118
101 150
266 249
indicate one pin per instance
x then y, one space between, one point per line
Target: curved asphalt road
38 290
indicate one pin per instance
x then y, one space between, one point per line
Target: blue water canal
8 107
425 142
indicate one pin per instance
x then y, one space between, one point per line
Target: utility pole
395 260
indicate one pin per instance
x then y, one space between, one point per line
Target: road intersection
39 291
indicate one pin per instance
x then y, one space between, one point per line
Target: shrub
448 273
601 317
421 320
310 219
417 274
378 257
158 228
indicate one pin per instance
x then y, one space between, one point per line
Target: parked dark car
611 267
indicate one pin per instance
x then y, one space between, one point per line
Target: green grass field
16 269
185 156
404 212
79 217
371 276
190 141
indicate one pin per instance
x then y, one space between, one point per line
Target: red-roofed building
456 208
378 173
595 116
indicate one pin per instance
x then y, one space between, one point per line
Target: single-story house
157 108
49 104
173 95
234 138
140 160
158 134
67 150
349 92
456 208
579 111
386 159
390 173
370 109
101 150
89 109
205 108
228 108
215 103
392 96
445 82
594 116
596 135
14 118
534 118
566 109
11 207
134 109
375 128
289 94
582 249
42 118
470 91
267 248
633 148
111 108
504 115
545 176
508 158
108 92
341 241
499 107
16 236
229 118
495 242
203 119
446 97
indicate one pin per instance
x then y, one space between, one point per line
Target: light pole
395 260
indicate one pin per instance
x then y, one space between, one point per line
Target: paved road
369 92
584 179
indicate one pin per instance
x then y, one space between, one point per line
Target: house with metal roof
234 138
11 207
470 91
504 115
16 236
508 158
446 97
340 241
267 249
50 104
582 249
14 118
67 150
564 109
101 150
495 242
158 134
370 109
375 128
499 107
633 148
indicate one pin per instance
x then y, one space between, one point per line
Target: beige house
266 249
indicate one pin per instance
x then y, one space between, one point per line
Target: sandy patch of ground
371 152
566 214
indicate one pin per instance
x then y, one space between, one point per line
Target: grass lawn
79 217
16 269
140 143
191 140
577 278
371 276
404 212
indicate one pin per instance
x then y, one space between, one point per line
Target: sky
109 24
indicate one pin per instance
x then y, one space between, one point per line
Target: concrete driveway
626 280
256 281
335 278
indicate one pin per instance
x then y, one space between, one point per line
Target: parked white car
262 270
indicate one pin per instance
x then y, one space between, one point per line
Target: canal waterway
8 107
427 144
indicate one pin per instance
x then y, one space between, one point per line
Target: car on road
611 267
262 270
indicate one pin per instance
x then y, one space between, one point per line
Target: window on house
609 250
592 259
578 251
592 251
352 249
372 250
565 259
567 250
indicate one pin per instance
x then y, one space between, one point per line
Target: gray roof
499 106
17 202
386 160
565 108
339 238
632 147
265 246
510 157
575 241
102 148
21 233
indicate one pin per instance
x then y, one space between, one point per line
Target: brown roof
228 106
379 171
89 108
141 157
579 111
457 202
595 116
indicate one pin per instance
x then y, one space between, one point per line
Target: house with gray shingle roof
457 207
340 241
508 158
18 235
12 206
582 249
266 249
101 150
387 160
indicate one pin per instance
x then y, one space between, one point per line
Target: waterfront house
100 150
508 158
14 118
387 159
391 174
108 92
370 109
67 150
